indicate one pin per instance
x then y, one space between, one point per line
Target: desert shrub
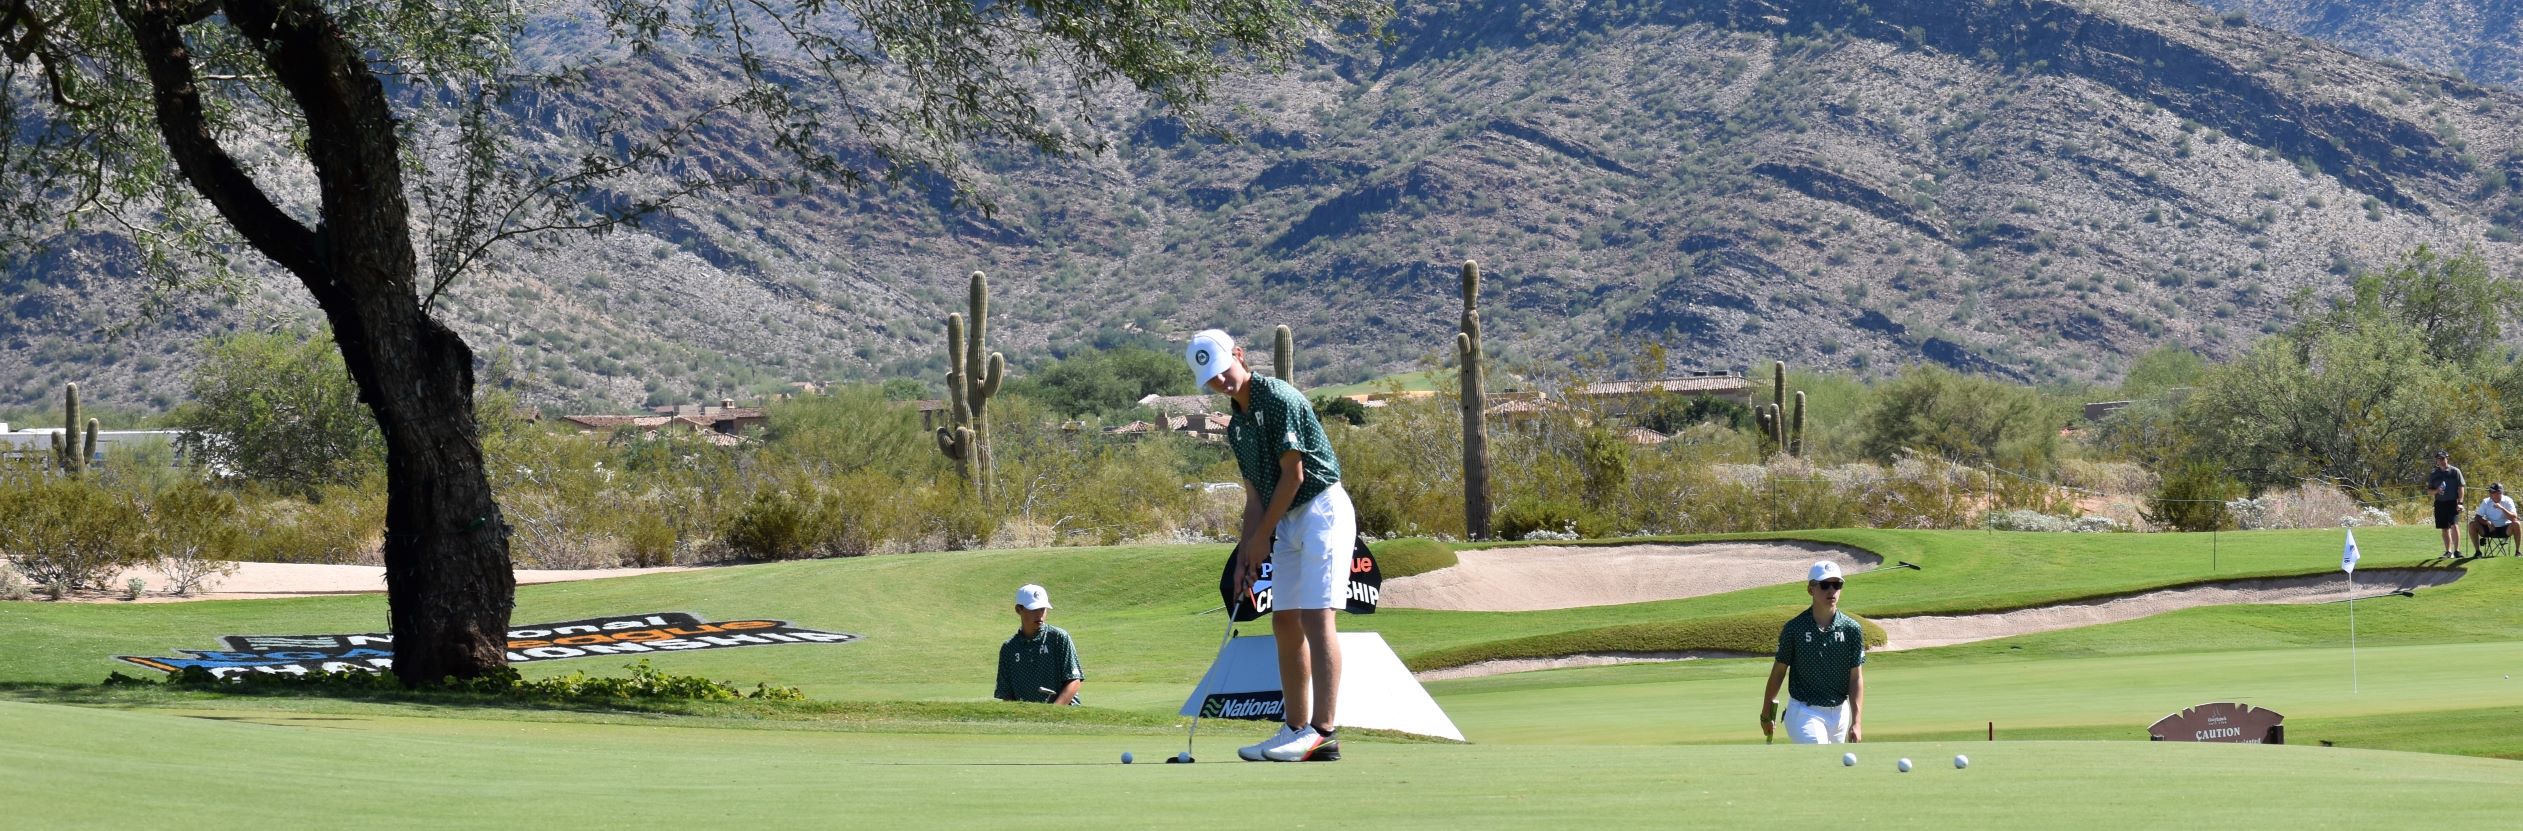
1411 556
67 532
2306 506
191 529
1972 419
342 525
782 524
1403 469
2126 478
1546 519
135 587
12 585
2194 497
2022 520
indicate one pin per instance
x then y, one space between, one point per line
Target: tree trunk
449 583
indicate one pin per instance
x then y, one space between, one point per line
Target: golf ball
1184 756
1904 766
1961 762
1125 757
1848 759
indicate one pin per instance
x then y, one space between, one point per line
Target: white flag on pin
2348 559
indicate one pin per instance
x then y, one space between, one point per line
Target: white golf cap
1031 596
1207 355
1822 570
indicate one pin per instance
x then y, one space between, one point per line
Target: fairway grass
899 731
78 767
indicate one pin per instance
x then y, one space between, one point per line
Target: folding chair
2492 546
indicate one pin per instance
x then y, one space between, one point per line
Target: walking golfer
1297 516
1039 663
1822 657
2445 482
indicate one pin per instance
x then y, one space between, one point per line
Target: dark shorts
2447 513
2497 532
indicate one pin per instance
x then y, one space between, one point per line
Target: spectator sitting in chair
2493 520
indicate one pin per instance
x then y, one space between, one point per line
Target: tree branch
185 123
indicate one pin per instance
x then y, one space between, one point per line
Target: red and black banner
1366 583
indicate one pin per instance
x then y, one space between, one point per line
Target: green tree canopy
280 410
1104 382
2458 308
1930 409
2162 368
2360 406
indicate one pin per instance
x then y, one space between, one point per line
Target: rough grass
1412 556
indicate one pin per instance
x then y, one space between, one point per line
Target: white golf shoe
1305 745
1253 753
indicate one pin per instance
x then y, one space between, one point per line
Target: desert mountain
2034 189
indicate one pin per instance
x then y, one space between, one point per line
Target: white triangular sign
1376 690
2348 560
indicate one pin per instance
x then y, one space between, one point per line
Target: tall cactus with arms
68 453
1467 347
970 383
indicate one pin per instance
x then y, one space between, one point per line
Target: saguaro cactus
68 453
1283 354
1778 405
1796 436
1467 347
970 383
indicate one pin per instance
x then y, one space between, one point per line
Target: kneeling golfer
1292 494
1822 656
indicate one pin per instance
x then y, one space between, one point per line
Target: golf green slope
70 767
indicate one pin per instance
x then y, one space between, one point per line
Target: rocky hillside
2035 189
2477 39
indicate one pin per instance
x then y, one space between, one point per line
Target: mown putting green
72 767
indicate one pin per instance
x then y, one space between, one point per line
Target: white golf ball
1961 762
1904 765
1184 756
1125 757
1848 759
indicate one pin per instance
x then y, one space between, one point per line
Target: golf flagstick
2348 563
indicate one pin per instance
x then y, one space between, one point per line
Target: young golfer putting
1292 495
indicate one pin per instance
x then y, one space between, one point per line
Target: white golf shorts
1808 724
1309 564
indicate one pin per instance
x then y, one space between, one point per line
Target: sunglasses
1830 585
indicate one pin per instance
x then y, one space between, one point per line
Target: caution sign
2220 721
617 635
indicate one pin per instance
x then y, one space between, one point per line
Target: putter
1195 713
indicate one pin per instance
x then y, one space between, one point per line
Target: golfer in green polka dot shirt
1822 657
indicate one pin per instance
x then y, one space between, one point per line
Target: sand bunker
265 580
1936 630
1566 577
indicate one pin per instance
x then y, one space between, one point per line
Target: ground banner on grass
638 633
1366 585
1376 690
